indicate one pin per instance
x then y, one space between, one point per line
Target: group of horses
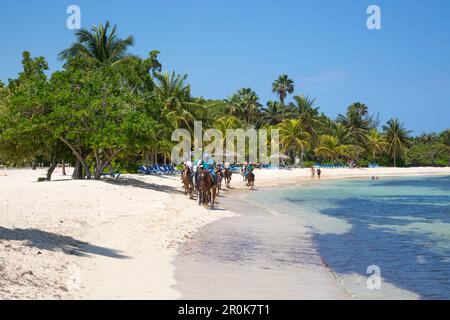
200 183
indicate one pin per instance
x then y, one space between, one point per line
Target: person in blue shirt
209 164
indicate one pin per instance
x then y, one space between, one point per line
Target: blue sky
400 71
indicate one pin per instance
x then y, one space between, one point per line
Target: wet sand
256 255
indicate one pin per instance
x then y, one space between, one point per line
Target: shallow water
257 255
401 225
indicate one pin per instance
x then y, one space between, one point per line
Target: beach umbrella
279 155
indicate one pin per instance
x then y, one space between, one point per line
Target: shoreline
239 194
68 239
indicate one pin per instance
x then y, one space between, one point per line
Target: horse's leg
213 197
207 196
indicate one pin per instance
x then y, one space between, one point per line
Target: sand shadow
133 182
54 242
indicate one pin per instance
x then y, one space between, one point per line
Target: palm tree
341 132
444 143
293 137
330 147
355 120
397 138
173 91
271 115
100 44
244 104
227 122
376 143
304 109
282 87
359 108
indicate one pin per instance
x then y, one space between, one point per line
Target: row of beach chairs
330 166
158 170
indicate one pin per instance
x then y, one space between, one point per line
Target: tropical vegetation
108 108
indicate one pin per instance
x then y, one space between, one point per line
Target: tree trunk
101 166
63 168
79 157
52 168
302 155
395 160
78 170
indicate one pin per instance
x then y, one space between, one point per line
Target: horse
219 174
188 182
250 179
227 175
207 189
197 181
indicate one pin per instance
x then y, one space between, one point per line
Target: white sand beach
112 240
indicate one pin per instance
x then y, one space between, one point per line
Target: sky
402 70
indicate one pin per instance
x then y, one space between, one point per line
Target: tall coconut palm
282 87
397 138
294 137
100 44
376 143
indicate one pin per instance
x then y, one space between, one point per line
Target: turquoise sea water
401 225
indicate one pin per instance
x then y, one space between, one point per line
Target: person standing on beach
319 172
313 173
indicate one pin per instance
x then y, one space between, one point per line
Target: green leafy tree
23 128
97 115
444 143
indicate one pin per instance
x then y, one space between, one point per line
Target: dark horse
207 189
227 175
251 179
188 181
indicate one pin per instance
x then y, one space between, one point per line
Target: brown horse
188 182
207 189
227 175
219 174
251 179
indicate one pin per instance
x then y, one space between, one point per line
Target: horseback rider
210 166
247 168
